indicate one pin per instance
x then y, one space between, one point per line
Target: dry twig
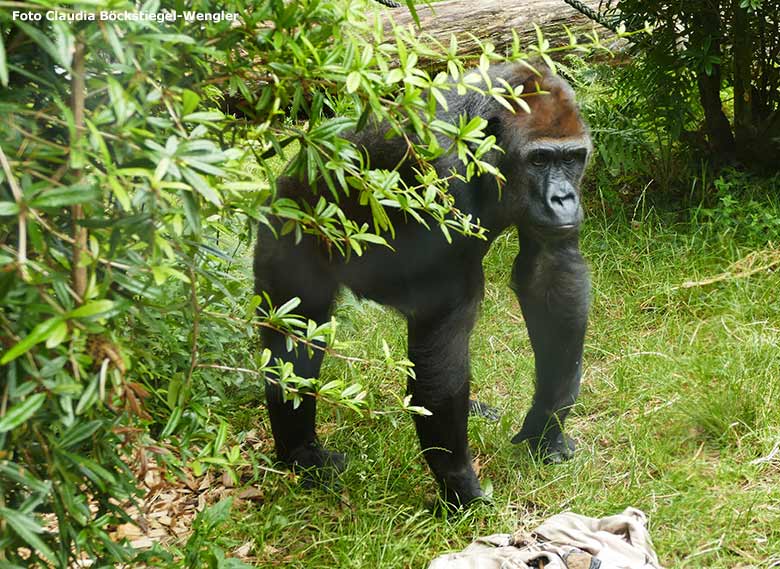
743 268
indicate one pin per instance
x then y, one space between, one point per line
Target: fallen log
495 20
474 21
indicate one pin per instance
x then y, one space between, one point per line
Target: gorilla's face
551 171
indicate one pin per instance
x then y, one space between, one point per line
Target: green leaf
68 195
288 306
221 437
418 410
8 208
162 168
121 103
27 528
370 238
162 272
91 309
539 36
63 42
170 38
205 167
204 116
453 45
353 81
440 98
38 334
79 432
330 386
170 426
475 124
91 469
351 390
191 210
3 65
88 397
57 336
394 76
190 101
201 186
218 513
44 43
20 412
413 10
332 127
120 193
21 475
113 40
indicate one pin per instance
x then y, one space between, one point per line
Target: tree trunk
719 134
717 125
744 127
495 20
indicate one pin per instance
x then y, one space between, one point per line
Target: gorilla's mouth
555 231
556 226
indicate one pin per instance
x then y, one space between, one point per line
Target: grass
680 397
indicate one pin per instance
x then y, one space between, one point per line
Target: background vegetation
709 74
136 160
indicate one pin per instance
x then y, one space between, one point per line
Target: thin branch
79 273
196 309
297 339
68 239
38 139
285 388
21 254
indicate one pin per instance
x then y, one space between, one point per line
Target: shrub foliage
135 157
714 63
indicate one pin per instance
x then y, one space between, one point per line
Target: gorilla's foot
479 409
461 489
317 465
551 449
558 450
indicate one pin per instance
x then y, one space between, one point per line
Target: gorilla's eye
539 158
570 158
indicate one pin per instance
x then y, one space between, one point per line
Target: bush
136 158
699 50
744 209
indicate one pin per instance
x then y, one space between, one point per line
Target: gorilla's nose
563 204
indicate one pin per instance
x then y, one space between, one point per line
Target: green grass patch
680 398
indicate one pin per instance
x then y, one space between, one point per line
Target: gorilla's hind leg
439 348
293 427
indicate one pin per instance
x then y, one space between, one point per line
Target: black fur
438 286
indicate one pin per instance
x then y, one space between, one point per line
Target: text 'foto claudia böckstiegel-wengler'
190 16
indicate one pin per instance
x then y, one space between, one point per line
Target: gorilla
438 286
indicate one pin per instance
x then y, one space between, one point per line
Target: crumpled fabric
564 541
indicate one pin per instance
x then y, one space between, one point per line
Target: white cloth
564 541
